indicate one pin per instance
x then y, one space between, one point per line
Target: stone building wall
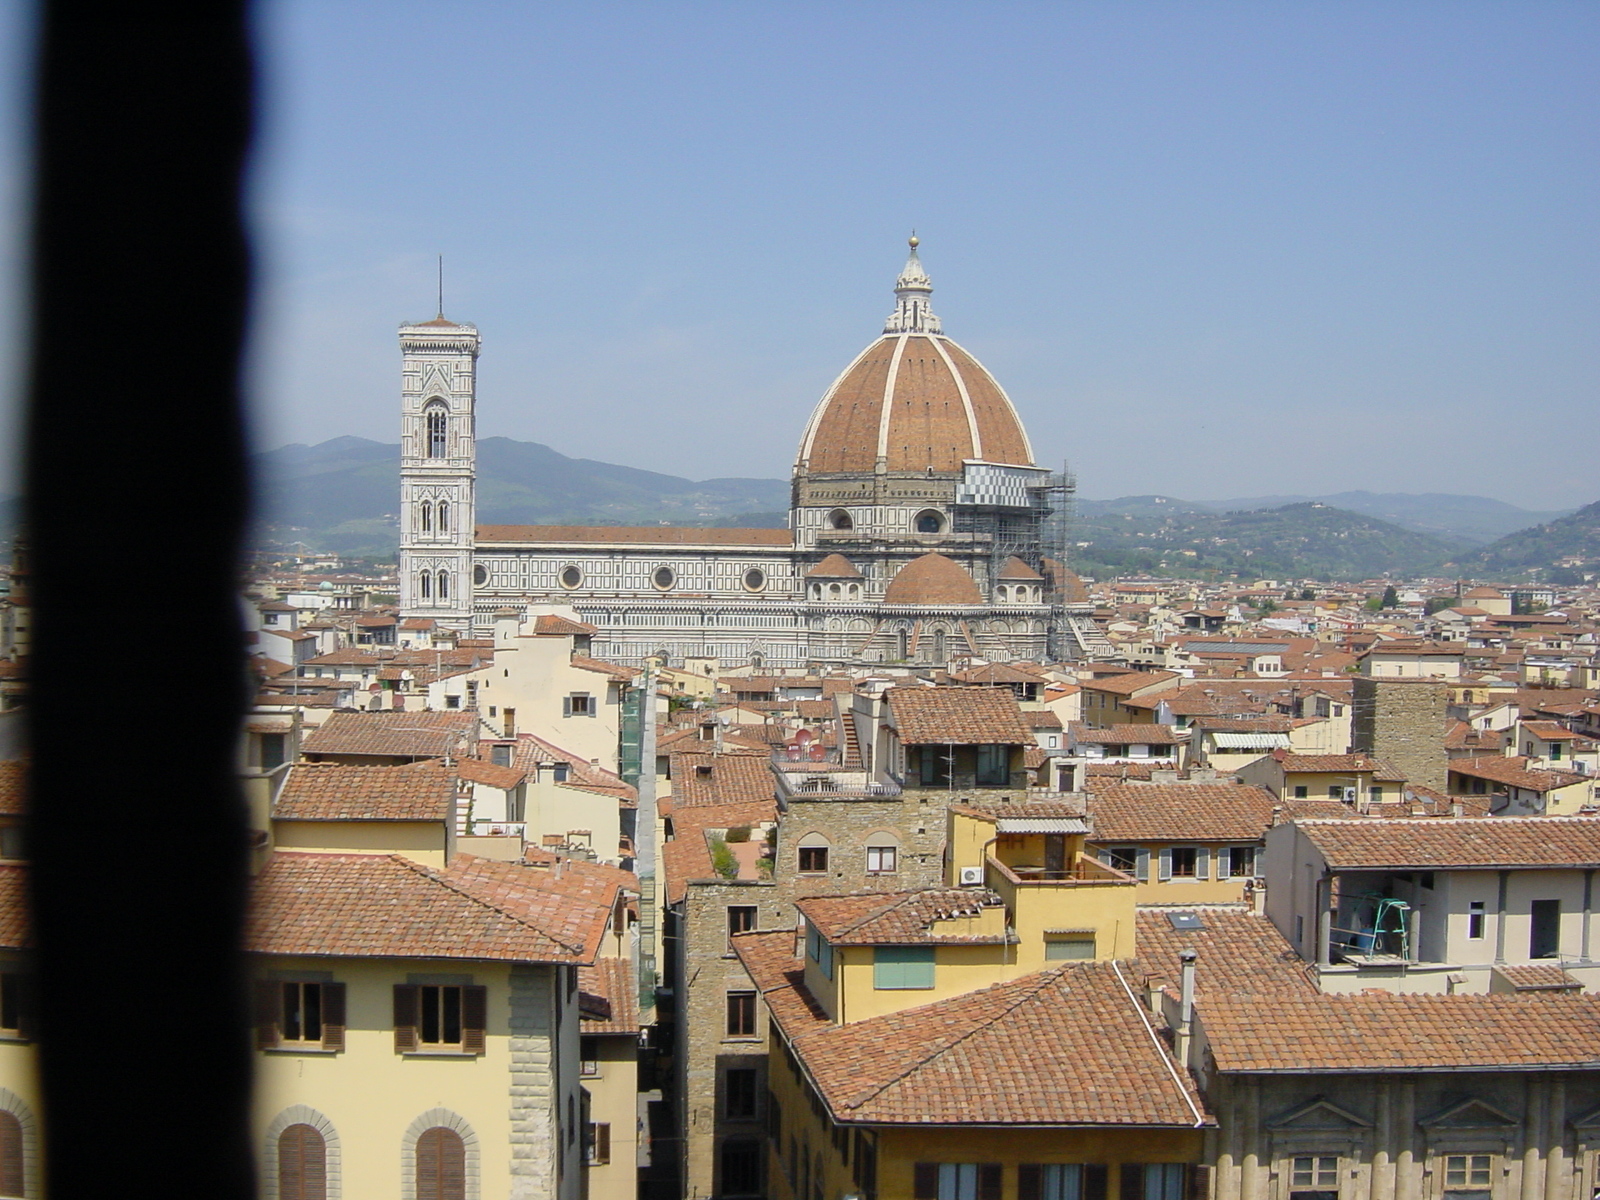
1392 1134
1402 723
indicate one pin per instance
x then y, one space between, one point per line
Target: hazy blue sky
1209 249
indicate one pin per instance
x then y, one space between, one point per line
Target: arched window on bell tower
425 517
444 585
444 516
438 420
425 585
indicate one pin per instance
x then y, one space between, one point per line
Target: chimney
1185 1033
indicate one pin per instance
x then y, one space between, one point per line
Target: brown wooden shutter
27 1006
10 1155
267 1002
1094 1181
925 1181
1198 1179
333 1016
302 1164
988 1181
452 1166
405 1022
475 1017
428 1164
602 1143
1029 1181
1131 1181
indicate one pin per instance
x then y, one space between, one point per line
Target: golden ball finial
913 240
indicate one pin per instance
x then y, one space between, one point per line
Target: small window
597 1144
12 999
902 968
741 1014
994 766
882 860
425 513
1061 1181
1162 1181
580 704
1241 862
571 577
741 919
1301 791
839 519
444 585
664 578
1123 858
1185 862
274 750
929 521
1475 920
754 580
480 575
452 701
425 585
740 1100
1314 1177
813 860
1069 946
589 1057
444 516
500 756
1468 1172
295 1015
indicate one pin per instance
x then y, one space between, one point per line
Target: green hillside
1164 536
1563 551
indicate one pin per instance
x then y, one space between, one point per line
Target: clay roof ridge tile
439 878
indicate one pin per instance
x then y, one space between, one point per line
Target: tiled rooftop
958 716
424 791
899 918
1469 842
1180 812
393 734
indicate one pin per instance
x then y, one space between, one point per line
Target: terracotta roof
424 791
385 906
1048 810
1344 764
932 579
1550 731
899 918
1418 649
1538 977
1514 772
550 625
584 663
944 408
670 535
1465 843
687 858
1462 736
16 929
1240 953
1403 1033
1069 1046
1132 681
1014 569
1244 724
701 776
996 673
392 734
608 997
13 788
957 716
1128 735
476 770
835 566
1180 812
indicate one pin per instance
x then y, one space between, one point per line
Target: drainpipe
1185 1006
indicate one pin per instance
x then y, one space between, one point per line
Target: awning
1250 741
1041 825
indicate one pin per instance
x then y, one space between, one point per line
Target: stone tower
437 469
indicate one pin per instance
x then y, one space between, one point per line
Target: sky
1210 251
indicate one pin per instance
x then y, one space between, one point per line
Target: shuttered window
1061 1181
293 1015
598 1143
441 1165
902 968
302 1164
1164 1181
440 1017
956 1181
11 1174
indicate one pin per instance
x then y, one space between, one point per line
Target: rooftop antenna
441 287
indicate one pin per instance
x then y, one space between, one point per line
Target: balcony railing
1083 870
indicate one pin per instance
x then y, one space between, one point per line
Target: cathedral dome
913 400
835 566
932 579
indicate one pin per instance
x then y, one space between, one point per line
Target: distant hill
343 495
1562 551
1476 519
1164 536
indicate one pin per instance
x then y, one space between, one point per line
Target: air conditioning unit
971 876
1350 795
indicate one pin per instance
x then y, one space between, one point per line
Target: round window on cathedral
480 575
571 577
664 578
928 521
839 519
755 579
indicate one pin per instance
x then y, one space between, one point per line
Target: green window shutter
897 968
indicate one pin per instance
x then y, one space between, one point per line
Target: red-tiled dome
914 399
835 566
1014 569
932 579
